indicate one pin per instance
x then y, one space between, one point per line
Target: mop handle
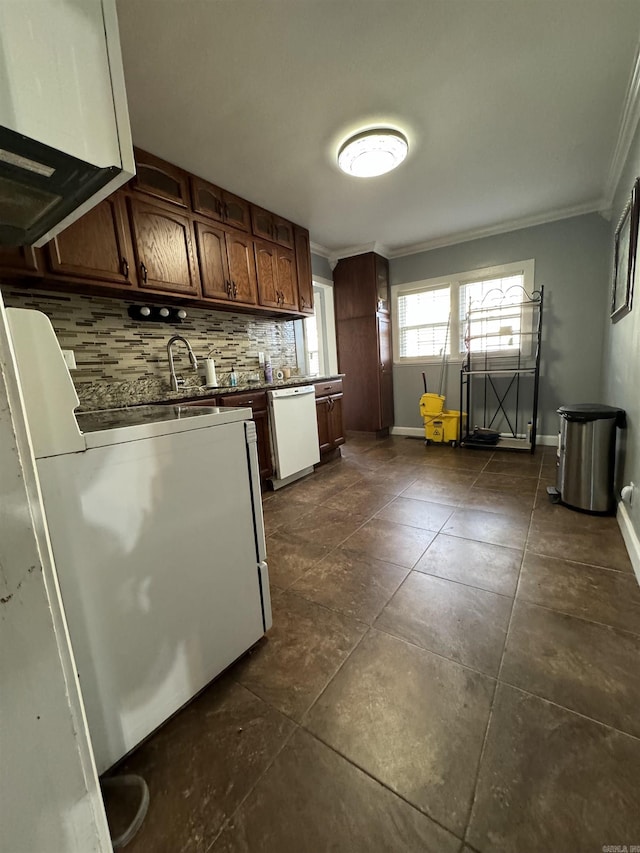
444 354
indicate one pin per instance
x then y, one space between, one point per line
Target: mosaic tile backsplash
111 347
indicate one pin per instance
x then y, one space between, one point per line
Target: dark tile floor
454 666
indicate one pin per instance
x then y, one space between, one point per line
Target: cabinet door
242 267
336 428
303 269
358 358
164 249
386 372
324 430
96 246
287 279
212 258
160 179
267 271
282 232
261 222
355 287
236 211
206 199
19 259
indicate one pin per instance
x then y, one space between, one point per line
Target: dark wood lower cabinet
330 426
364 355
258 404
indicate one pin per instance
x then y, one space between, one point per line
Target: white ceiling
512 107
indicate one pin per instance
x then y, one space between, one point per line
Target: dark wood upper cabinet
242 267
96 246
212 257
277 280
287 279
164 249
362 286
21 260
160 179
236 211
268 226
303 268
267 271
209 200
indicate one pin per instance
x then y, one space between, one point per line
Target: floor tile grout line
623 572
493 698
231 816
569 710
384 785
577 616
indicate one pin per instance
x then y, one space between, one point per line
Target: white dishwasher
294 433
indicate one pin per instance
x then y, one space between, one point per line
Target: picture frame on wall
625 261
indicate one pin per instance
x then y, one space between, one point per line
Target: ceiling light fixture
373 152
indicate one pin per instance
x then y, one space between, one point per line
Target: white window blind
423 318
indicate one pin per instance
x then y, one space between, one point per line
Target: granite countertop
95 396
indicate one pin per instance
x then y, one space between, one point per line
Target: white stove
155 520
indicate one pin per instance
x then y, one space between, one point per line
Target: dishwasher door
294 432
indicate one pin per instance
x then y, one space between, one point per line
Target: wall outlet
70 358
261 359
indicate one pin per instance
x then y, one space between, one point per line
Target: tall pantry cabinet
363 326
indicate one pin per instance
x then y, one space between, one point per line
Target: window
314 352
429 317
316 336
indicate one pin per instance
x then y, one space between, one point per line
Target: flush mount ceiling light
373 152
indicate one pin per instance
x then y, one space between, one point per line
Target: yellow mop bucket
443 427
431 404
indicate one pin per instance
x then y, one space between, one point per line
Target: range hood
65 141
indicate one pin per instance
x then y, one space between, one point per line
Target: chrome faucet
175 382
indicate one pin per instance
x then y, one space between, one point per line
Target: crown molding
626 132
319 250
502 228
362 249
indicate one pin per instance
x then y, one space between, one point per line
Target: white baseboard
630 537
547 440
418 432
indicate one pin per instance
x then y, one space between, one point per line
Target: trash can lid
590 412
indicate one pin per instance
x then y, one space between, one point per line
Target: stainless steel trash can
586 455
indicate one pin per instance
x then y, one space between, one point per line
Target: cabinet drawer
325 389
206 401
245 400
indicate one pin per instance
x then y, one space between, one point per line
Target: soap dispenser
233 378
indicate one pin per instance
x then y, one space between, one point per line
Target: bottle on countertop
233 378
268 370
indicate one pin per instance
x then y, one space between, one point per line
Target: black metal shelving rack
481 395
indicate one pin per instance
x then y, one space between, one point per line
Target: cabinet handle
303 301
124 263
143 270
227 287
219 209
235 290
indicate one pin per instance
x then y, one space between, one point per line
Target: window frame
455 282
